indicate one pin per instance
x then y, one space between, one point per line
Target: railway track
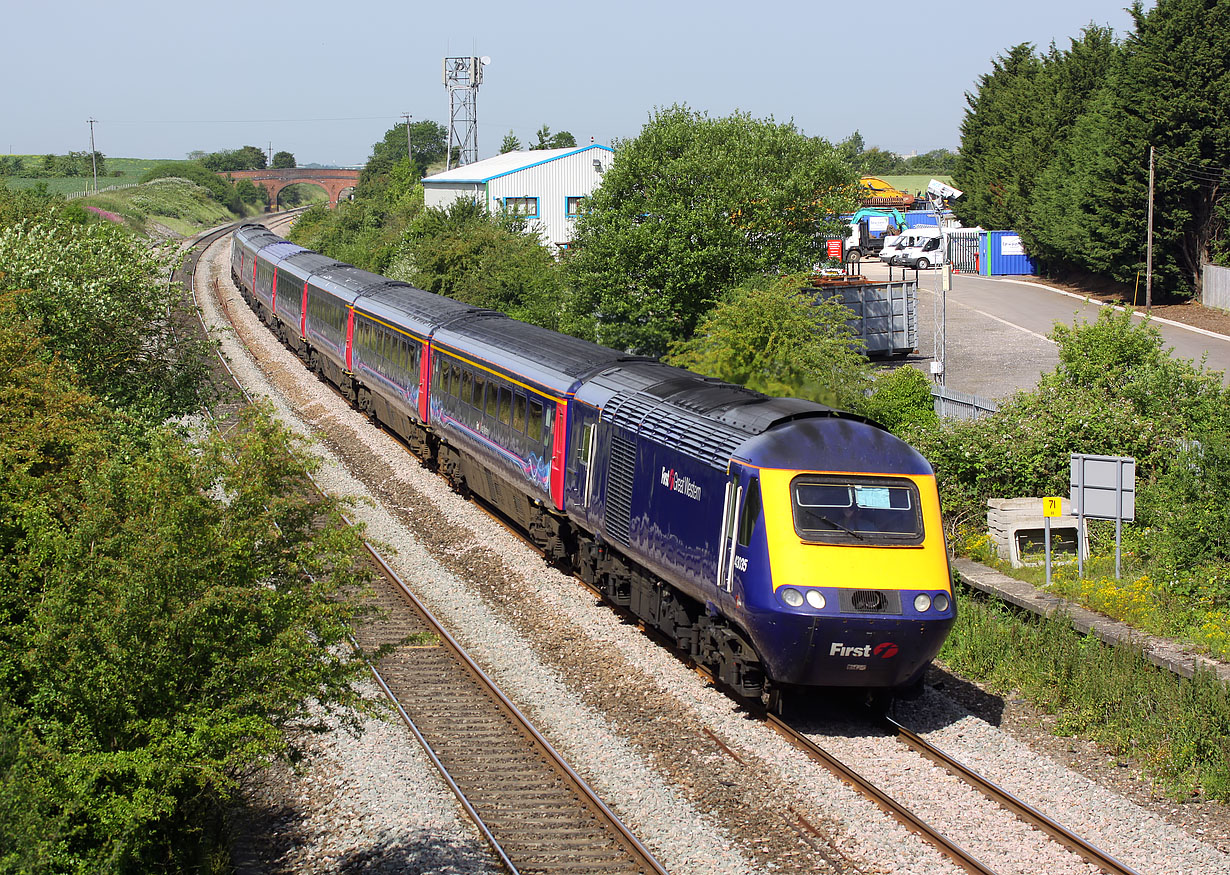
947 845
535 812
422 674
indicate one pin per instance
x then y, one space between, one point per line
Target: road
997 327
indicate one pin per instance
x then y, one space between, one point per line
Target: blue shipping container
1002 254
921 219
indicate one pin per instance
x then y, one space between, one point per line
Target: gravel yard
707 789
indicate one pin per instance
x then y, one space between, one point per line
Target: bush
1116 391
771 335
219 189
900 400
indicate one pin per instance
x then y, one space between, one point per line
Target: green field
120 171
916 183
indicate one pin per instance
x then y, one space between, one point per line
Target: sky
325 81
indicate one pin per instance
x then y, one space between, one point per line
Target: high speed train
785 545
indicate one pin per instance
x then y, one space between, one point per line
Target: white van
896 247
927 252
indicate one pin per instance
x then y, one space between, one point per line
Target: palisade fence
77 194
953 404
1216 287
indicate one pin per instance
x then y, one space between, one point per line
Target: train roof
255 237
276 253
413 308
707 418
305 262
555 361
346 282
840 444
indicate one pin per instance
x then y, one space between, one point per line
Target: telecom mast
462 76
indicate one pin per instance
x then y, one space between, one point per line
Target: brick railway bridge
334 182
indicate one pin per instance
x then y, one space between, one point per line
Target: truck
868 228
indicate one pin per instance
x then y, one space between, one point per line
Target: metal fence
1216 286
77 194
953 404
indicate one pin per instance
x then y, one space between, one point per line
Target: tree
245 158
548 140
851 148
772 335
1001 142
219 189
1058 146
1173 96
510 143
429 140
690 207
283 160
495 261
251 193
104 305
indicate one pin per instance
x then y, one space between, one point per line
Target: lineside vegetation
171 601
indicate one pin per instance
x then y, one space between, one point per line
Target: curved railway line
535 811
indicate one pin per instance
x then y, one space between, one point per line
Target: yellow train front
833 559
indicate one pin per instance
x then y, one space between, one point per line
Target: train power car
786 545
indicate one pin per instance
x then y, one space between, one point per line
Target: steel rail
591 799
642 855
1027 813
897 810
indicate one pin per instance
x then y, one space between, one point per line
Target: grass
178 204
120 171
1135 598
914 183
1178 729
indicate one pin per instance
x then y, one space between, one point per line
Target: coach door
581 458
731 505
742 507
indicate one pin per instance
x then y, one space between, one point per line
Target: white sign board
1010 244
877 224
1102 485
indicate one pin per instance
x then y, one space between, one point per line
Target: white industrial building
545 185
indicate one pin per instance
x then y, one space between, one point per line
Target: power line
244 121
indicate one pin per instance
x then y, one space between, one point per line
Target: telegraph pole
93 154
409 148
1149 245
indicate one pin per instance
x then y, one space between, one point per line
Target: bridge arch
333 180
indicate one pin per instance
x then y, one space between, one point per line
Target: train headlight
941 602
792 597
815 598
922 602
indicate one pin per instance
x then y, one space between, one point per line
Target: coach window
546 425
480 386
535 424
505 405
751 512
467 386
491 400
518 422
